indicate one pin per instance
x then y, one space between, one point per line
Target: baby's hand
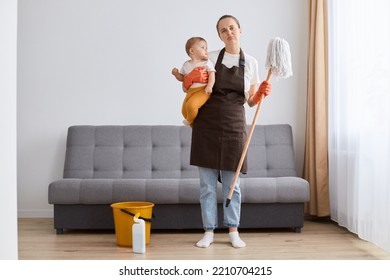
175 72
208 90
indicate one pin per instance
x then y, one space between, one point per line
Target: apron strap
220 57
241 62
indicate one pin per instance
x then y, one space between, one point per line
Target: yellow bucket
124 213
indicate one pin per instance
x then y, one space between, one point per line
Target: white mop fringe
279 58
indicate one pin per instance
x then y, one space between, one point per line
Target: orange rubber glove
198 75
264 88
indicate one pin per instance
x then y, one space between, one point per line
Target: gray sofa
108 164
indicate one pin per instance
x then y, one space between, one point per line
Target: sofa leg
297 229
59 230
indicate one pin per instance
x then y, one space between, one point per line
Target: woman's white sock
206 241
236 240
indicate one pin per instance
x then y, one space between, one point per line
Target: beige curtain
316 146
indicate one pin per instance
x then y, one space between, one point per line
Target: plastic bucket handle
145 219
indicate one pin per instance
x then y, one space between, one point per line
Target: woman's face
228 31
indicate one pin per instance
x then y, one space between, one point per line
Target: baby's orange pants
195 98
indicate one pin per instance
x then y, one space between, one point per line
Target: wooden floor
319 240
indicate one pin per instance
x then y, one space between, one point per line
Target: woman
219 131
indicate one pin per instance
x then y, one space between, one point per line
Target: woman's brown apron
219 131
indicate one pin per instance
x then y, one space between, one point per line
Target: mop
278 64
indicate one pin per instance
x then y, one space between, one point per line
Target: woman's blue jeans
208 198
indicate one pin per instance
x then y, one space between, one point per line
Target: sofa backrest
160 151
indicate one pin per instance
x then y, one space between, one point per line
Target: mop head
279 58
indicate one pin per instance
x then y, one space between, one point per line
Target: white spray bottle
138 235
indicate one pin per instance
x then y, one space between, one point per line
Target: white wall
109 62
8 207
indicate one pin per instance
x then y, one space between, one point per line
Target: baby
197 94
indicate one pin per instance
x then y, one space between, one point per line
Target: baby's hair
191 42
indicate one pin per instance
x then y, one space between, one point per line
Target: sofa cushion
274 190
172 191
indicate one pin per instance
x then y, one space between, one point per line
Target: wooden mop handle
269 75
244 151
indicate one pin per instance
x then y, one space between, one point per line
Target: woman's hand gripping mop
278 64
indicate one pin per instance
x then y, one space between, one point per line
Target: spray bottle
138 235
